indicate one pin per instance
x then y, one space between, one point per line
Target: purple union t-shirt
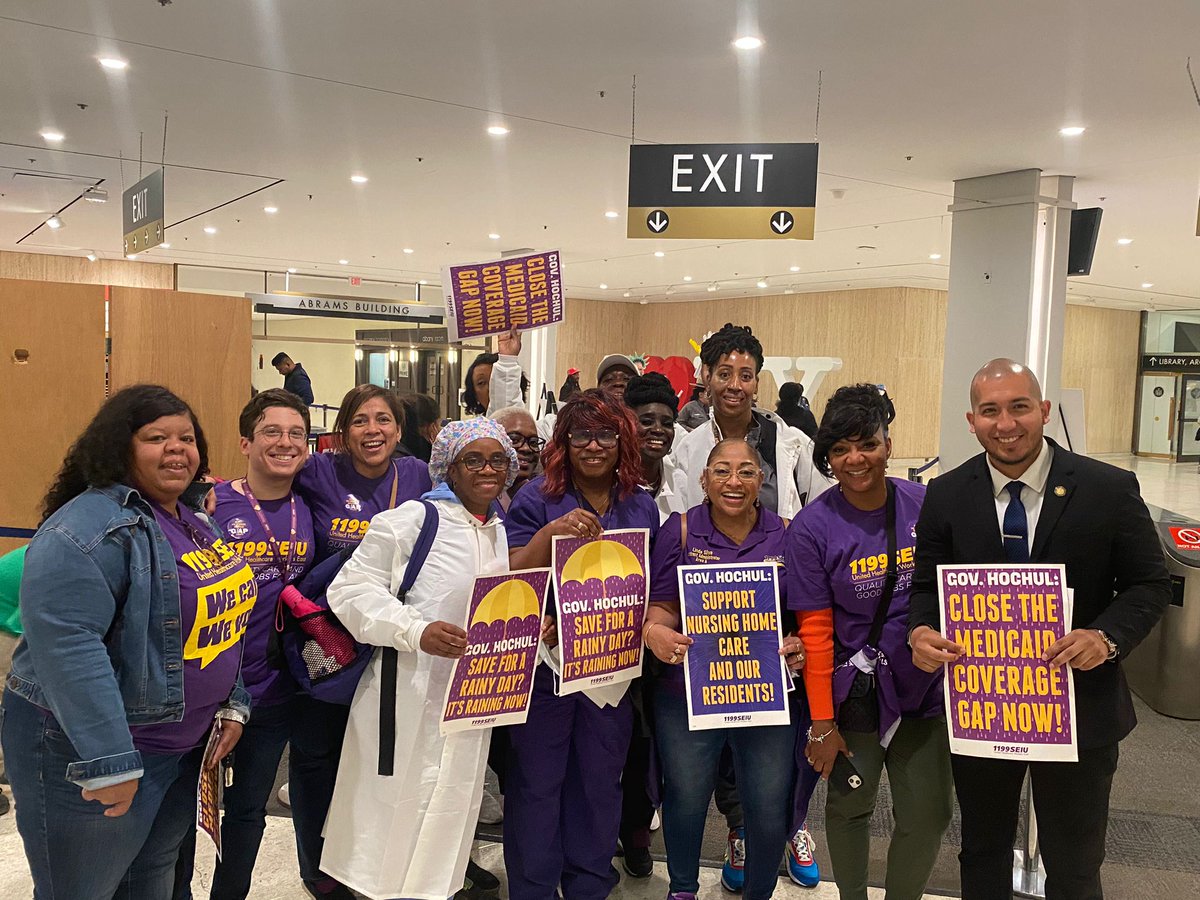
245 535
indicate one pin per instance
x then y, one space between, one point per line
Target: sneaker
801 861
491 809
328 889
733 873
284 797
638 862
682 895
479 879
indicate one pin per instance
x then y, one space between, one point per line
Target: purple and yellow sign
600 590
1002 701
734 674
493 297
492 681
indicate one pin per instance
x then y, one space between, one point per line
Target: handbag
859 712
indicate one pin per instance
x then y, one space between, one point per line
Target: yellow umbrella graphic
513 599
600 560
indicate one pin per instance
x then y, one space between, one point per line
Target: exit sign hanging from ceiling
722 191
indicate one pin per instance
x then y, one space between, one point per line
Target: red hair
593 409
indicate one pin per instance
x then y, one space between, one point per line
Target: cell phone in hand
844 778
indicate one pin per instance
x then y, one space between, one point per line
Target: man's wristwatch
1113 649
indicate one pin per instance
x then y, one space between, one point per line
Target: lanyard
285 565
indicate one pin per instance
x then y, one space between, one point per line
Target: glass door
1188 445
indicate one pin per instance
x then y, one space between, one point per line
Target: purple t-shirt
706 544
531 510
344 502
835 560
245 535
216 598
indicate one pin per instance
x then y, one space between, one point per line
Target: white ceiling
915 94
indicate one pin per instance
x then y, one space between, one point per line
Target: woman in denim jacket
133 609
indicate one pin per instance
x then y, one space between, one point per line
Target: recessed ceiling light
493 236
789 291
359 179
1124 242
603 286
165 246
91 256
935 256
1147 285
271 210
748 42
627 294
54 222
794 269
408 249
52 136
210 229
291 271
114 63
762 283
131 256
659 254
422 281
1072 131
497 130
612 214
687 277
712 287
343 262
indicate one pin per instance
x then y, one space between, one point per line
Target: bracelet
646 630
820 739
232 715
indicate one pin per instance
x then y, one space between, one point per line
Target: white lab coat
409 834
669 499
795 475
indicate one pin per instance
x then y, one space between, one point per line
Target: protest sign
210 789
1002 701
493 680
600 592
493 297
733 671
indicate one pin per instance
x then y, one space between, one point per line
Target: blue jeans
763 758
73 849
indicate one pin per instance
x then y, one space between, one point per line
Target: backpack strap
391 656
683 532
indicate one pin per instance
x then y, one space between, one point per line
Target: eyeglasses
605 437
533 442
475 462
273 433
743 473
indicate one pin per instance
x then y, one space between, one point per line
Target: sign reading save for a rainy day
493 297
600 590
493 680
722 191
733 671
1002 700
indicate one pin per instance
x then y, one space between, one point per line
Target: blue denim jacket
103 647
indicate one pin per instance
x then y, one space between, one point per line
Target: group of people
153 620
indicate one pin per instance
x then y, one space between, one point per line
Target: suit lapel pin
1060 491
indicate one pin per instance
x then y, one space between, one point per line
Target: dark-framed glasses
475 462
533 442
605 437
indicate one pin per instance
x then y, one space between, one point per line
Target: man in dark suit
1025 499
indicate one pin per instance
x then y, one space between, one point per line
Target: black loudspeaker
1085 228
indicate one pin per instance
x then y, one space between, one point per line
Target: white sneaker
491 809
284 797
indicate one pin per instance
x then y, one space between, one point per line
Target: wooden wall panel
46 402
195 344
591 330
77 270
1100 356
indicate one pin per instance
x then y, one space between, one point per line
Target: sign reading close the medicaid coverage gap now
493 680
733 671
1002 701
601 590
722 191
493 297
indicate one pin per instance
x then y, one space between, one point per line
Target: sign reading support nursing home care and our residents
722 191
601 590
733 671
493 680
493 297
344 308
142 213
1002 701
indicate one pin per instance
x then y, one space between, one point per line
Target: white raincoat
409 834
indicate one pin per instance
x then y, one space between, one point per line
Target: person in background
899 723
793 408
695 411
563 787
730 526
613 374
487 386
119 680
652 401
522 433
570 386
1027 500
422 422
295 379
409 834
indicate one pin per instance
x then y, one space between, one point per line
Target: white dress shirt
1034 490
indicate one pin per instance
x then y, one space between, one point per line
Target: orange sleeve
816 633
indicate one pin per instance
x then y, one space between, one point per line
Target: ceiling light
91 256
687 277
394 355
627 294
343 262
1124 242
659 254
291 271
359 179
935 256
762 283
712 287
422 281
748 42
1146 285
645 301
413 355
603 286
358 354
612 214
493 236
114 63
408 249
54 222
95 195
1072 131
52 136
794 269
669 291
165 246
789 291
131 256
271 210
497 130
210 229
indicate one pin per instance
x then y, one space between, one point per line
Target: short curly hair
731 339
854 411
653 387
